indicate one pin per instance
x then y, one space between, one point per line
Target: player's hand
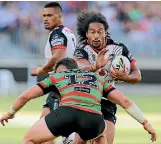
39 70
101 60
119 75
34 72
5 118
150 129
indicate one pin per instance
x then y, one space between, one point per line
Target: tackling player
79 109
61 43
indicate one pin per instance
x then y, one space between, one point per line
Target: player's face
96 35
51 18
61 68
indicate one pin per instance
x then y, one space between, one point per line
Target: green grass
34 105
134 136
13 134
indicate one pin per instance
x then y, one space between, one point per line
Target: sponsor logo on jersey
57 41
82 89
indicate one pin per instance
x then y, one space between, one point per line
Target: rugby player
79 109
92 30
61 43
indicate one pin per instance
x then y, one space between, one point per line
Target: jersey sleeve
107 88
58 40
127 53
80 53
47 85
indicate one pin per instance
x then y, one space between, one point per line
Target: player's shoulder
56 75
57 31
63 30
80 53
57 37
115 42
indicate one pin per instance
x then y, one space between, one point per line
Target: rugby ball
119 62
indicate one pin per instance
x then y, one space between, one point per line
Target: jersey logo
57 41
102 72
78 54
82 89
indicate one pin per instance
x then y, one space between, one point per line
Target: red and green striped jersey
79 89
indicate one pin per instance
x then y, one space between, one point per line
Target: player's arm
115 96
58 43
135 74
36 91
81 56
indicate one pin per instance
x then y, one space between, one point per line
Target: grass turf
13 134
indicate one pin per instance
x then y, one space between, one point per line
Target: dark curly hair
69 63
83 21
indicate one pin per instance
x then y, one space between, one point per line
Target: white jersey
115 49
60 38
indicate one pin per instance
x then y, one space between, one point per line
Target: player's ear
86 34
60 15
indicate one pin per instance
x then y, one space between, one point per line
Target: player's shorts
108 110
65 120
52 101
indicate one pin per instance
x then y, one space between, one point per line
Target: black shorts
108 110
65 120
52 101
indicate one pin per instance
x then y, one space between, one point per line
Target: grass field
128 131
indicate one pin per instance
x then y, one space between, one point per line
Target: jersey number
91 82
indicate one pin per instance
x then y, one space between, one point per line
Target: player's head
92 27
52 15
66 64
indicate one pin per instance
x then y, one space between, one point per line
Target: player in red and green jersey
79 110
78 89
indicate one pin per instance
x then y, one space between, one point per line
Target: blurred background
22 42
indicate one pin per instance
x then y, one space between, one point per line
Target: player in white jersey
61 43
92 29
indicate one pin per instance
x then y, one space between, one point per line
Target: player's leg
110 134
45 111
51 104
58 122
38 133
101 140
77 139
109 111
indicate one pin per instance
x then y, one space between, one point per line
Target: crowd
136 21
